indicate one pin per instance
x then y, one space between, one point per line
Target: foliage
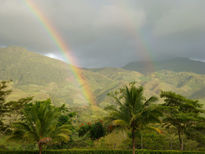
197 133
10 111
40 124
53 79
66 118
133 110
97 130
4 106
83 129
180 113
94 151
94 131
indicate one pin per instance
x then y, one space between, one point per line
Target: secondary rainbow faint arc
140 43
63 48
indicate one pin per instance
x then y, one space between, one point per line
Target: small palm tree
40 124
133 111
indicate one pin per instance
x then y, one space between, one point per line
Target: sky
101 33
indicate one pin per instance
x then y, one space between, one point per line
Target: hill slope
39 76
43 77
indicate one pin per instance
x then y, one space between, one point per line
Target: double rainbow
77 72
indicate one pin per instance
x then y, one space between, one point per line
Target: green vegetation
43 108
94 151
181 113
42 77
133 111
40 125
95 131
4 106
43 125
9 108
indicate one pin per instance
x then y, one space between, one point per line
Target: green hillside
25 67
174 64
39 76
43 77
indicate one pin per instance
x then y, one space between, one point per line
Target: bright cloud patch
51 55
197 59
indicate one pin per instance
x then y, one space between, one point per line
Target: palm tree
133 111
40 125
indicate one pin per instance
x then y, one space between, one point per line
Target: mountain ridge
42 77
177 64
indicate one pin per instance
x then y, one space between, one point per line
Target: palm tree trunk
181 140
133 141
40 148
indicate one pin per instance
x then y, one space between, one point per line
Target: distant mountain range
174 64
43 77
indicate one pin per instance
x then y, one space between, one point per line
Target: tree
180 113
132 110
9 108
4 107
40 124
67 117
197 133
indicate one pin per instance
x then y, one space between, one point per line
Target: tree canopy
180 113
132 110
40 124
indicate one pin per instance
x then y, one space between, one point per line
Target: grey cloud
187 16
108 32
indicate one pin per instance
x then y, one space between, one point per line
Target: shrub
93 151
95 130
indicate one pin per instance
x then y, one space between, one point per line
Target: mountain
174 64
39 76
43 77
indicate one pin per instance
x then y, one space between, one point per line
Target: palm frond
133 110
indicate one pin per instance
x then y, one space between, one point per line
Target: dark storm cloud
108 32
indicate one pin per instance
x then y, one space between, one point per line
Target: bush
95 130
86 151
83 130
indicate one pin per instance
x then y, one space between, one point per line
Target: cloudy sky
108 32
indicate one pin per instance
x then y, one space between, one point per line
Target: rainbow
64 49
141 45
